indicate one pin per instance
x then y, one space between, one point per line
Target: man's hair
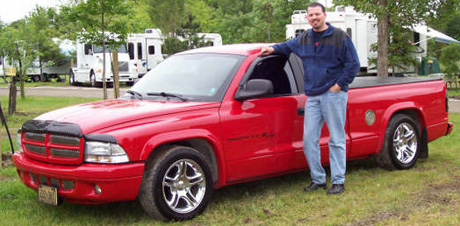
316 4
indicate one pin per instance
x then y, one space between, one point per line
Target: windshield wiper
164 94
135 94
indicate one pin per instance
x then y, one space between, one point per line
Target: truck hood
101 114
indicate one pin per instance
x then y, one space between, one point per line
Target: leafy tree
393 15
40 23
166 15
95 17
450 59
16 46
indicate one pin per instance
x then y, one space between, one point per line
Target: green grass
428 194
454 92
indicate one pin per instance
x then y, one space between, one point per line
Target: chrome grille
57 183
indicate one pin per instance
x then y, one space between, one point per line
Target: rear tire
177 184
92 78
402 144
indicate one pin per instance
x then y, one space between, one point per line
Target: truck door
264 135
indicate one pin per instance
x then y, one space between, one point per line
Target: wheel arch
412 110
201 141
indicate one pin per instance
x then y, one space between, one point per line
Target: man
330 62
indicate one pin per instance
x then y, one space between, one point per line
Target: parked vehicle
145 50
90 63
212 117
362 29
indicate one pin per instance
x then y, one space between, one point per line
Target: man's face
317 18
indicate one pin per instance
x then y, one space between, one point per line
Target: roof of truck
240 49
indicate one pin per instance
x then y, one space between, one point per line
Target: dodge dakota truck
212 117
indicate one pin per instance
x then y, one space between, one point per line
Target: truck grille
123 66
52 148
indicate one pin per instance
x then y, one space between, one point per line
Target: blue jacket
332 59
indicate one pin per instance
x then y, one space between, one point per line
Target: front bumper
76 184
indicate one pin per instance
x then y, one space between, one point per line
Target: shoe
314 186
336 189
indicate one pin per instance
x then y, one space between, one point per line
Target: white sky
11 10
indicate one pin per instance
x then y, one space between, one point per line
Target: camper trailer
90 63
362 29
145 50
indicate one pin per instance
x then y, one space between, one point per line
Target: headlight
100 152
19 142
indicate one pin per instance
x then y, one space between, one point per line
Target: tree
16 46
166 15
95 17
393 15
40 23
450 59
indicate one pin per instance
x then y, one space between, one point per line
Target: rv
90 63
362 29
145 50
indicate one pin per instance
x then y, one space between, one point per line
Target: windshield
194 77
121 48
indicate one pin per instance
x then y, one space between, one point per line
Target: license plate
48 195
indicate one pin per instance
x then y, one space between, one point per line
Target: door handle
301 111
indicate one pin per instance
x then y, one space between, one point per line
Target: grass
428 194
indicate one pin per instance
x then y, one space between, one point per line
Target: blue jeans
331 108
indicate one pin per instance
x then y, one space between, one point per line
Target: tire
72 79
36 78
177 184
92 78
402 144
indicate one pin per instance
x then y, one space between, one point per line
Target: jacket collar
328 31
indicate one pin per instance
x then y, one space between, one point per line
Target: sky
11 10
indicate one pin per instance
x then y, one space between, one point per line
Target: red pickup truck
212 117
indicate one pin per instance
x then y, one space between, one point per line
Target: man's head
317 16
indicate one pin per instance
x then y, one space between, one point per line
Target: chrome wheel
184 186
405 143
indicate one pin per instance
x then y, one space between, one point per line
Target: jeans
331 108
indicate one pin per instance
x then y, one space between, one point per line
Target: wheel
129 83
177 184
36 78
92 78
402 143
72 79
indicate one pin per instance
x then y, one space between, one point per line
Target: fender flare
215 155
392 110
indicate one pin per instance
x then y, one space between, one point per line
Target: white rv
90 63
362 29
145 50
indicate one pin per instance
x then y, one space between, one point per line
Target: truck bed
361 82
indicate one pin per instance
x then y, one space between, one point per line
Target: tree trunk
21 78
104 83
116 82
12 96
382 43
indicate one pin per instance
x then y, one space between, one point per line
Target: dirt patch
433 194
6 159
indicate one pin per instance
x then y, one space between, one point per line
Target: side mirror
255 88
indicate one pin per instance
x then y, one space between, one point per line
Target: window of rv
121 49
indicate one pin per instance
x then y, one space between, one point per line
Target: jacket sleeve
287 47
350 60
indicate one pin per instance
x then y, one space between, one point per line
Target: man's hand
266 50
335 88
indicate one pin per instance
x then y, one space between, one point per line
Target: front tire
402 143
177 184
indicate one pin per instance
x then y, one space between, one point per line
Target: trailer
362 29
89 65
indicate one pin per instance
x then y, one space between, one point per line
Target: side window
277 70
131 50
88 49
298 32
151 50
139 50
